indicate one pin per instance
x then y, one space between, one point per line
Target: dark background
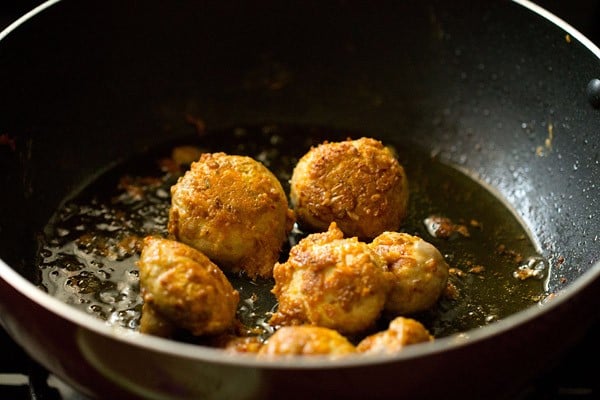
584 15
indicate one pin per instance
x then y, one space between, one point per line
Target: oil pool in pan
88 252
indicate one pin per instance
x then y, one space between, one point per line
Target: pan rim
528 4
557 21
26 17
218 356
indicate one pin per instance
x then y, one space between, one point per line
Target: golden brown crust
182 285
332 282
237 344
358 184
401 333
419 273
234 210
306 340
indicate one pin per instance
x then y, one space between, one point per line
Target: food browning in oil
419 273
308 340
91 249
331 281
182 288
358 184
401 332
234 210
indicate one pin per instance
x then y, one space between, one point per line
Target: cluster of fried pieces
230 214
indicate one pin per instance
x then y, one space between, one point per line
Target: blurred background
584 15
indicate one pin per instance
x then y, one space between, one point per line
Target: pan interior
88 252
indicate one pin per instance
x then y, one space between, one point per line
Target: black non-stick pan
493 91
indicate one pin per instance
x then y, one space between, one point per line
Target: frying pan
85 84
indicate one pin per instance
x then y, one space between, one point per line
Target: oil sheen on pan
88 252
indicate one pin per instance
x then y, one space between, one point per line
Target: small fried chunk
232 209
358 184
401 333
418 270
332 282
237 344
306 340
184 287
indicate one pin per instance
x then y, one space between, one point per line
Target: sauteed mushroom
358 184
330 281
184 288
234 210
306 340
419 272
401 333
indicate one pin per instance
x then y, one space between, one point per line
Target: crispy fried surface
306 340
238 344
401 333
234 210
183 286
419 272
358 184
332 282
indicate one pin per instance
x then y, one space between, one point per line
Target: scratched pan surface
493 90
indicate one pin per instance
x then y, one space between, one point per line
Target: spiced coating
332 282
237 344
359 184
306 340
183 287
232 209
419 273
400 333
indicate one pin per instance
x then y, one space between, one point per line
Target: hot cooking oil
89 249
